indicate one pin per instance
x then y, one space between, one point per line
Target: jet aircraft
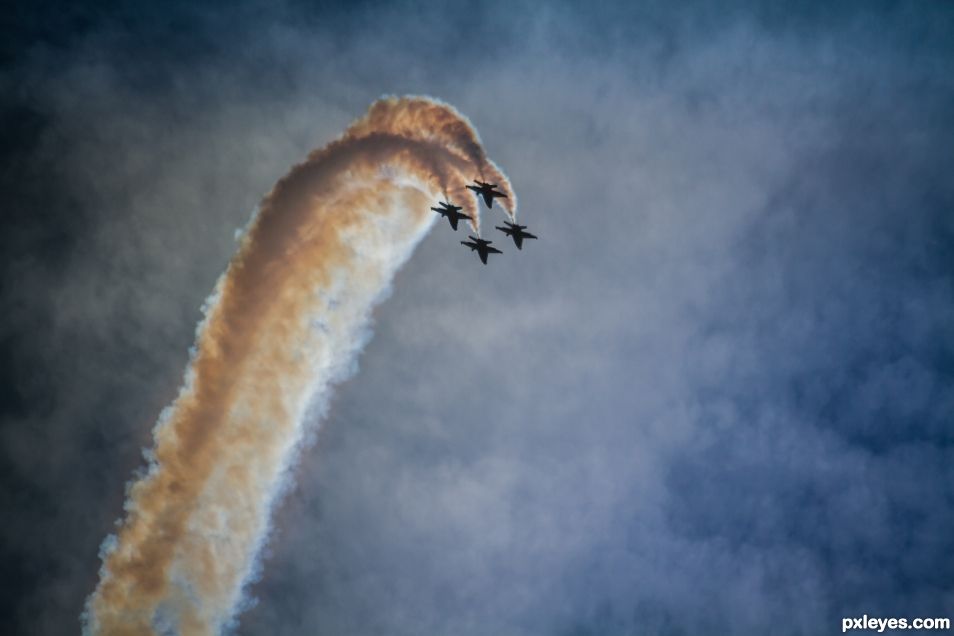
488 191
452 213
482 246
516 232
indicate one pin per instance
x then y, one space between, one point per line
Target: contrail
284 322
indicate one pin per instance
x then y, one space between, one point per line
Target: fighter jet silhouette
452 213
483 247
516 232
488 191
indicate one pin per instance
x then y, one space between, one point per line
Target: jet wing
491 195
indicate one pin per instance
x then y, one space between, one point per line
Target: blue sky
714 397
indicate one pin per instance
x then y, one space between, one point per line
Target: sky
714 397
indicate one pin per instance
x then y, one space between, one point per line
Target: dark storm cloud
715 397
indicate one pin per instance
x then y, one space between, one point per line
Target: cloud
713 397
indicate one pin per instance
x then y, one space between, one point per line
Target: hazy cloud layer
714 397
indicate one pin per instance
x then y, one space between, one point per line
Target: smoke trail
285 321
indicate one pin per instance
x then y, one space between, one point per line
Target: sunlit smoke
285 322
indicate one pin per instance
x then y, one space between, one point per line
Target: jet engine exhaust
284 323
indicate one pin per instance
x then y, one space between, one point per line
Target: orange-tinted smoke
284 322
449 128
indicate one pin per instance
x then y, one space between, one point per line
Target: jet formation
483 247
